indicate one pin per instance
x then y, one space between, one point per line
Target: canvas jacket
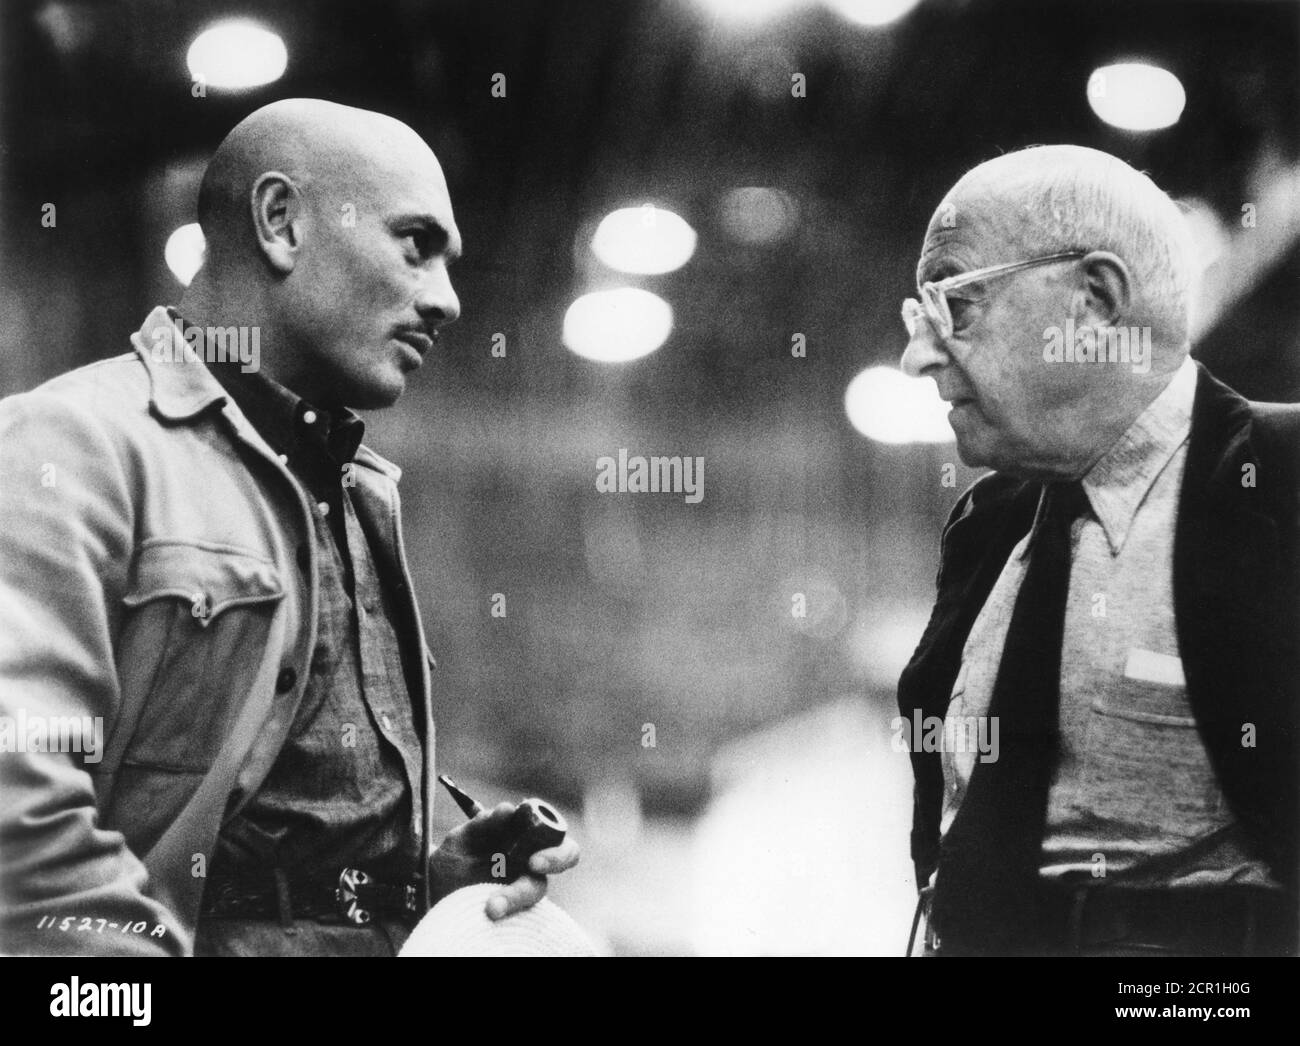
149 578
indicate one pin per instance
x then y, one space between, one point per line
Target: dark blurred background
769 814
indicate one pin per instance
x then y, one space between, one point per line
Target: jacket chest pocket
196 623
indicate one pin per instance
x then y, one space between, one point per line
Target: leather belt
352 896
1204 921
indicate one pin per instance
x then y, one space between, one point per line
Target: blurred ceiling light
1135 96
889 407
757 215
615 326
237 55
185 251
750 10
872 12
69 26
644 240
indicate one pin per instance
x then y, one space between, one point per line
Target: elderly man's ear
277 220
1103 298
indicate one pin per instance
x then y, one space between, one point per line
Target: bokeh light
645 241
617 325
237 55
1135 96
758 216
886 405
185 252
872 12
749 10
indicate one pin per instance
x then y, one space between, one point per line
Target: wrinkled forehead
971 228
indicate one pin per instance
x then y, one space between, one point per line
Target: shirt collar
288 423
1121 479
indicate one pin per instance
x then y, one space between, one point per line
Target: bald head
1055 198
327 150
330 229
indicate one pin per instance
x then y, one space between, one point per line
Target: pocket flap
210 577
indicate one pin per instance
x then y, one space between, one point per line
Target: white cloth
458 926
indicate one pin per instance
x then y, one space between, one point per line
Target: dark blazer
1236 609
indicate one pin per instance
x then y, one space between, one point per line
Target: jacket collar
181 387
1219 447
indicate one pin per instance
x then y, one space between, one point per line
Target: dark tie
989 858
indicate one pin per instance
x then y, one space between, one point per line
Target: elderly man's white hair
1067 197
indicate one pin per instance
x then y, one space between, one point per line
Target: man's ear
277 219
1107 288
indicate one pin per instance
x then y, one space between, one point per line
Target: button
388 724
284 458
285 681
309 417
324 507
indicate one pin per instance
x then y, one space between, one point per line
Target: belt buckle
346 895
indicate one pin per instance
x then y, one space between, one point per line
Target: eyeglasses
933 305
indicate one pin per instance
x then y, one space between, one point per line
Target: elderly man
202 562
1119 597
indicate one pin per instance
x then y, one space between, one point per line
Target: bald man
214 684
1117 600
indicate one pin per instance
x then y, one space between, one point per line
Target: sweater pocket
1145 768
